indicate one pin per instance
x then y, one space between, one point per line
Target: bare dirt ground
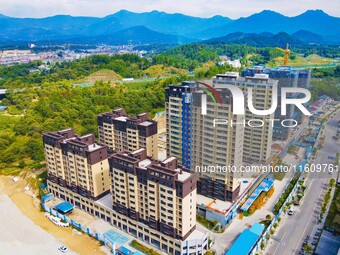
29 205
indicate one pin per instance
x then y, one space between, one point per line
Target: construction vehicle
286 52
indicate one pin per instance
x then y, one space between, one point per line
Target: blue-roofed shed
2 108
42 186
310 139
137 253
64 207
257 228
246 241
47 197
125 250
265 185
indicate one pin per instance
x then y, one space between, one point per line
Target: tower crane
286 52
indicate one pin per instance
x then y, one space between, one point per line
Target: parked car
291 211
63 249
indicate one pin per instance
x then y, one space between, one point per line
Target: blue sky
202 8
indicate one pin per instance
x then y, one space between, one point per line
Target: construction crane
286 52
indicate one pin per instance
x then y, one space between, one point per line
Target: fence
265 235
79 226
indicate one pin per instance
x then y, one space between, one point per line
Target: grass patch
102 75
311 60
279 175
207 223
333 218
143 248
10 171
164 71
286 193
138 85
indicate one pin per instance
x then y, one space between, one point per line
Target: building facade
152 201
287 78
257 138
200 146
77 163
121 132
178 108
161 195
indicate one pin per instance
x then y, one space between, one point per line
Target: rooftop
93 147
213 204
196 234
146 123
246 241
121 118
105 201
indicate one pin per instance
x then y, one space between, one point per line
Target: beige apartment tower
124 133
217 144
199 144
162 195
77 163
257 140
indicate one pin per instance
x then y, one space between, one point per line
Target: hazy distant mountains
266 27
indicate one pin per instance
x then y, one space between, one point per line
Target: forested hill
51 100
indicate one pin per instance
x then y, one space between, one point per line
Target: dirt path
81 244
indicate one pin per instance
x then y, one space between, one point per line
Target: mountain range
313 26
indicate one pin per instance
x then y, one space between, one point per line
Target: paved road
290 236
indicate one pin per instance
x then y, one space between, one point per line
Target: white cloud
203 8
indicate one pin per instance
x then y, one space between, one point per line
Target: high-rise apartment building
288 78
216 146
257 138
178 107
77 163
199 145
121 132
160 195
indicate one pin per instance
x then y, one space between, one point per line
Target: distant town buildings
224 60
10 57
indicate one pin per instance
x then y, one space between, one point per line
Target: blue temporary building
64 207
309 151
125 250
42 186
2 108
246 241
47 197
310 139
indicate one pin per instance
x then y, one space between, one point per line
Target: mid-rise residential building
77 163
257 140
121 132
160 195
286 77
152 201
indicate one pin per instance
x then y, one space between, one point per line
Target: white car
291 212
63 249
